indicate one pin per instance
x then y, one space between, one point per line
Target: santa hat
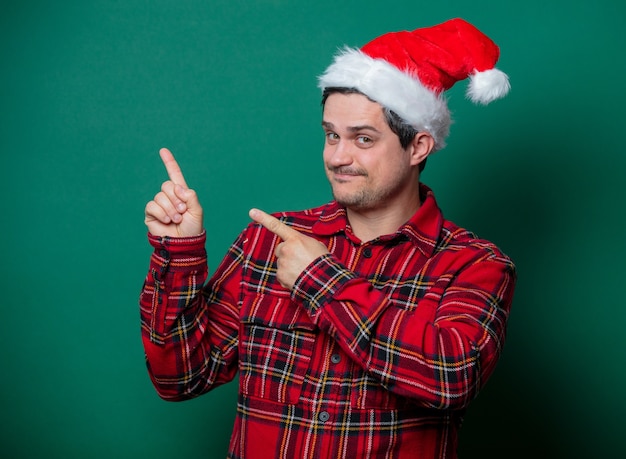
407 72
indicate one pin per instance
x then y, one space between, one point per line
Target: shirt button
367 253
164 253
323 416
335 358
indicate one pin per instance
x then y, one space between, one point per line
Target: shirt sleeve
439 352
189 334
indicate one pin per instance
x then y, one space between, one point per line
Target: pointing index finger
173 169
273 224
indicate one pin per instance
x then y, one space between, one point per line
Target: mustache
347 170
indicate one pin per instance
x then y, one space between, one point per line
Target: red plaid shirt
376 352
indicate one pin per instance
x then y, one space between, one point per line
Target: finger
155 212
176 194
273 224
164 201
173 169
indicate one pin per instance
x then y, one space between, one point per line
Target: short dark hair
405 132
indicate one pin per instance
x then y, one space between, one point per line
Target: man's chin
352 202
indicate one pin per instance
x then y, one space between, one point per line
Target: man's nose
340 154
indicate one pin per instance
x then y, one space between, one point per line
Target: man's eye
363 140
331 136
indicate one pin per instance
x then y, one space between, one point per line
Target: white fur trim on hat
396 90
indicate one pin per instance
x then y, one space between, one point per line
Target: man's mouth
346 172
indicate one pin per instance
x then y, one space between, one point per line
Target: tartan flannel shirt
376 352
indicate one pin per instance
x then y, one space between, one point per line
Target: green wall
90 90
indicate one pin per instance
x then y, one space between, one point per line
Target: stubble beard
358 199
365 197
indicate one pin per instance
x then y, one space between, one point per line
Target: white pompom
487 86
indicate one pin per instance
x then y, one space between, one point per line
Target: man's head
408 72
369 165
405 132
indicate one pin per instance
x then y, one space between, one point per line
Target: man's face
365 163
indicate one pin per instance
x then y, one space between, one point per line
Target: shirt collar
423 228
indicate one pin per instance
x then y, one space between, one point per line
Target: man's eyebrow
363 127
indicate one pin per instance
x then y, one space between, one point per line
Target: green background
89 92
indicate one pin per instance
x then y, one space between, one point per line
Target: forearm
187 352
438 351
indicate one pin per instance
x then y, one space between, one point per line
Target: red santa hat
407 72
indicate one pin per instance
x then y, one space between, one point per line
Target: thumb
188 200
182 192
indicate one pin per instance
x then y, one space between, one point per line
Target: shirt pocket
276 346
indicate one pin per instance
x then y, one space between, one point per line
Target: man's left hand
294 253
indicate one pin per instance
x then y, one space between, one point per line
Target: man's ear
422 145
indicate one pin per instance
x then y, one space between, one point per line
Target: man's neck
370 224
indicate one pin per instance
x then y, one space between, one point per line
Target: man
361 328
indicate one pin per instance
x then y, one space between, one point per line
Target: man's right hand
175 211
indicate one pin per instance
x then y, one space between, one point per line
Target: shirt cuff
319 282
178 244
178 252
